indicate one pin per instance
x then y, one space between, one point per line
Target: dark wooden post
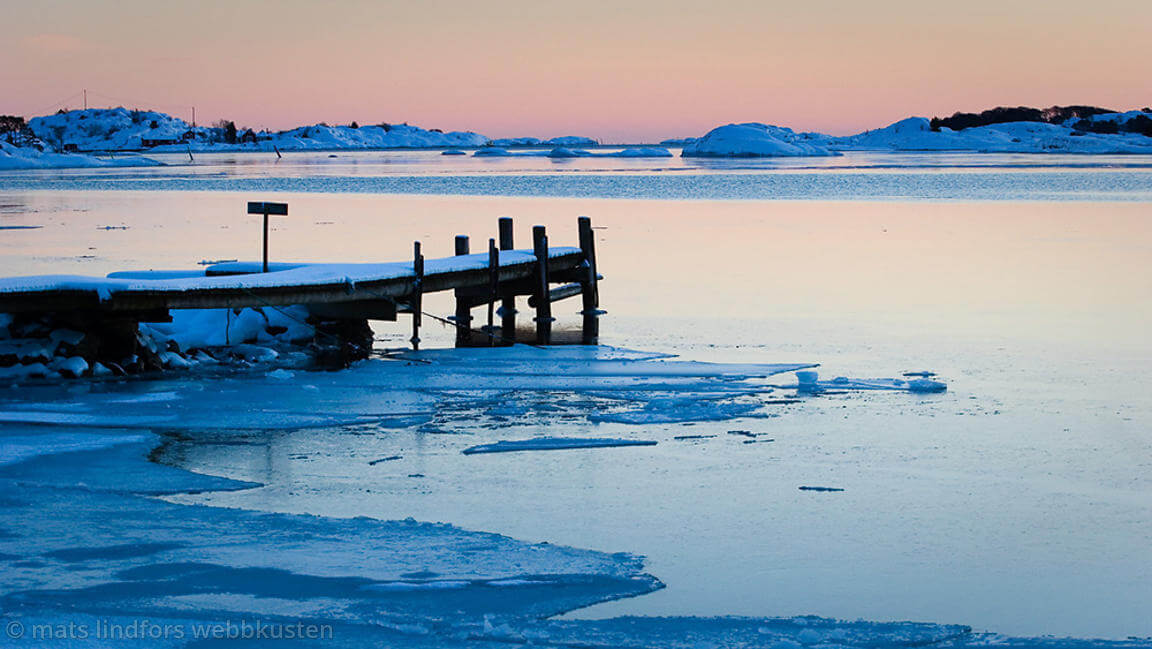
493 285
508 301
417 303
543 303
463 317
267 209
589 289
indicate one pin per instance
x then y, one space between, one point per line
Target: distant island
78 138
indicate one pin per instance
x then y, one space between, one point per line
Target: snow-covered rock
564 152
107 129
913 133
517 141
643 152
1119 118
571 141
755 140
118 129
916 134
391 136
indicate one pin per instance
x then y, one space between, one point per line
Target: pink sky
622 71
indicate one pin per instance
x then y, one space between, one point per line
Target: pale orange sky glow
620 71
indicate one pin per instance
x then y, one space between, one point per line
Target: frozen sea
1018 502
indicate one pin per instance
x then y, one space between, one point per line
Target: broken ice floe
808 381
107 553
554 444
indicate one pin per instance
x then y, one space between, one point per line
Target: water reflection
1017 501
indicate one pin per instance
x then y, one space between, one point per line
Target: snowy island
119 135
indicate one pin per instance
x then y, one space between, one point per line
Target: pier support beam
590 333
543 304
417 304
508 301
463 318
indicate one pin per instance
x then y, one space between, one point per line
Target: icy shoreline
112 551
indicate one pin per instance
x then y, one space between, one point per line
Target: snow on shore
755 140
13 157
119 129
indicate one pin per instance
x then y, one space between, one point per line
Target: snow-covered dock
339 298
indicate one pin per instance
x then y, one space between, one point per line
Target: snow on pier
338 299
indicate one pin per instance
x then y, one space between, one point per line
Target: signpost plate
271 209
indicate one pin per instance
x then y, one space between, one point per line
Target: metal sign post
267 209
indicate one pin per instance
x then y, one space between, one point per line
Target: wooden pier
341 298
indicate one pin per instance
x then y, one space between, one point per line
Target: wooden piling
590 291
508 301
463 318
417 293
493 287
543 303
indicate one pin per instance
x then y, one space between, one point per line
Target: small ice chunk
926 385
172 359
73 366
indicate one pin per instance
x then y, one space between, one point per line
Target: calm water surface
853 176
1018 501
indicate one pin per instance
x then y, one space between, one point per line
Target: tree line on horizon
1141 124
